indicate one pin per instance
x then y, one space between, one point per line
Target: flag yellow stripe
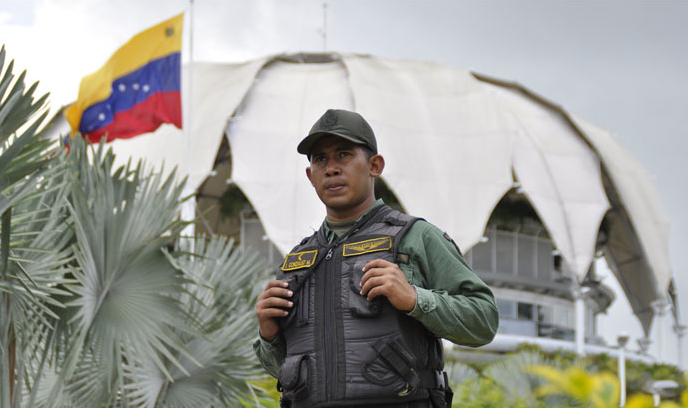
158 41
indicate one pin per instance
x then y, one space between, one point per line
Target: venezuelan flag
137 89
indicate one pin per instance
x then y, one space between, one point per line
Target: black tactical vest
343 350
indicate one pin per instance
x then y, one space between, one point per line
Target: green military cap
343 123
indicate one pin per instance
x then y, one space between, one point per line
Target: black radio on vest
343 350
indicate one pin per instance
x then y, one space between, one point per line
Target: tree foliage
529 377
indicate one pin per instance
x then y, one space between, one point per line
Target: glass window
481 257
507 308
545 260
526 311
520 327
545 314
591 330
561 316
526 256
505 252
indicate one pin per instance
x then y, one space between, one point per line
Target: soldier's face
342 175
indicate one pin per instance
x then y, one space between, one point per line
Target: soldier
355 315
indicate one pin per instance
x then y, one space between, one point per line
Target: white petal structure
280 109
560 175
455 143
638 246
447 145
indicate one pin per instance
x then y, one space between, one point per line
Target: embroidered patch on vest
370 245
299 260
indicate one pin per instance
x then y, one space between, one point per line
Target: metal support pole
660 307
680 330
622 377
622 339
580 320
188 209
324 32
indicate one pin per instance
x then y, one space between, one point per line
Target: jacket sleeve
452 301
270 354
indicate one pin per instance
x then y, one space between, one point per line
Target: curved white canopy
638 245
454 143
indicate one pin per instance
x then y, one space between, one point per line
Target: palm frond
124 304
32 245
459 373
220 304
511 373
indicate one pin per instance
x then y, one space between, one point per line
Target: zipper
329 347
331 299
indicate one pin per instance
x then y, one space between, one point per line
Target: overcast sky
621 64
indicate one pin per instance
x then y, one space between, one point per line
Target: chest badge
370 245
299 260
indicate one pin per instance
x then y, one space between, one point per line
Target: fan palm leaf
32 252
123 305
459 373
511 373
150 328
219 302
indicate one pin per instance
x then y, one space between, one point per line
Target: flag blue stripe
159 75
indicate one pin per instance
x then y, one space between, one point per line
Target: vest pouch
293 377
435 353
359 305
393 364
441 399
300 312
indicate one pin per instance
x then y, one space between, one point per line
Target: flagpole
324 27
188 212
189 109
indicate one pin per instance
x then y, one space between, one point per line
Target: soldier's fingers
372 283
276 292
371 273
376 291
276 284
377 263
272 312
375 272
273 302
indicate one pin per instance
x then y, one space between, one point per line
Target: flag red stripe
159 75
144 117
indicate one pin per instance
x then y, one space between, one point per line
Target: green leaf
5 241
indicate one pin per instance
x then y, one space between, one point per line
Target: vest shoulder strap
406 221
304 242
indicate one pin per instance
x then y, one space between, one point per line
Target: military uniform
452 302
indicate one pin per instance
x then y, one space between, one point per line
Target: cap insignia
329 120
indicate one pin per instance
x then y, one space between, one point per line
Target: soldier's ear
376 164
308 174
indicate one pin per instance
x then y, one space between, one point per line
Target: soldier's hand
385 278
274 296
